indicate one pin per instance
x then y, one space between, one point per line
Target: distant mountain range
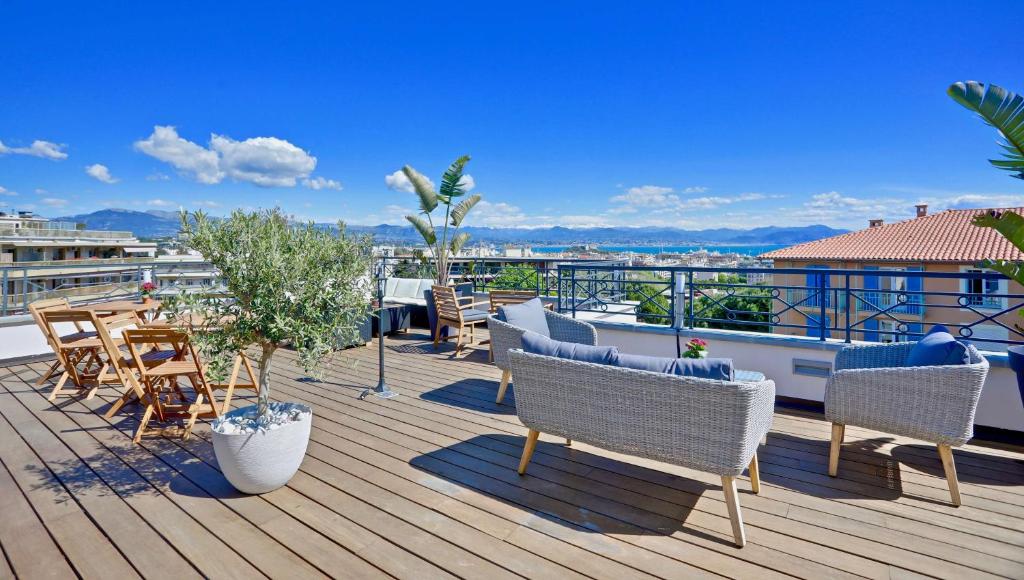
158 224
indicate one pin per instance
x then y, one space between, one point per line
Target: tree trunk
263 399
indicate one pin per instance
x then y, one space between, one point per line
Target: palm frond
1001 109
425 230
459 211
424 190
451 181
458 242
1011 226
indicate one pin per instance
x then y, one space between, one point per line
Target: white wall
1000 404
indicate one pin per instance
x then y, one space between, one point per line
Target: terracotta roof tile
946 236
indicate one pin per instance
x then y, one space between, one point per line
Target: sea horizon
745 249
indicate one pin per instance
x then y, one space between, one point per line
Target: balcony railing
86 281
822 303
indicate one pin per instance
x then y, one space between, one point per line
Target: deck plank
424 486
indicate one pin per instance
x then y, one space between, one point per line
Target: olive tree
286 284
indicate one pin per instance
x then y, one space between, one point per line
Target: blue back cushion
537 344
529 316
708 368
937 348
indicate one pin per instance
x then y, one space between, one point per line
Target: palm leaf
423 228
459 211
451 181
1011 226
458 242
423 189
1001 109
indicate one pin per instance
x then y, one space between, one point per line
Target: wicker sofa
505 337
872 388
707 425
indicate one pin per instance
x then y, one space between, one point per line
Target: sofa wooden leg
755 475
946 454
732 501
506 376
568 442
837 441
531 444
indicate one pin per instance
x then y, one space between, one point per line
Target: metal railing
83 282
822 303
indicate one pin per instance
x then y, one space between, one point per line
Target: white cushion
425 284
389 286
406 288
400 300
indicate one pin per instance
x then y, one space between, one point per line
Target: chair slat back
105 327
501 298
53 317
39 306
447 303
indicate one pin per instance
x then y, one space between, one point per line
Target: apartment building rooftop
947 236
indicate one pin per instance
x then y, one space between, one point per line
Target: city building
34 252
894 302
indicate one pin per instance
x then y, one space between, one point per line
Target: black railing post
572 289
5 294
847 309
822 296
689 297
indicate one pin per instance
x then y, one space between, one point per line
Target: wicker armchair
871 388
505 337
703 424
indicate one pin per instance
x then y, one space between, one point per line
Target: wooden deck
424 486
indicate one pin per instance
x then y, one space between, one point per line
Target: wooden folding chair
121 363
159 381
195 323
36 309
499 298
77 353
453 311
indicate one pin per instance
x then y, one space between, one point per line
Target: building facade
910 276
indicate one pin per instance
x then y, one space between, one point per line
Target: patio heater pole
381 390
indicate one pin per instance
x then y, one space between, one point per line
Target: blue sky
687 114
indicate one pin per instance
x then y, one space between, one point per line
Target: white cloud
101 173
647 196
38 148
397 181
157 177
695 189
497 215
318 183
206 203
467 182
160 203
5 191
263 161
187 157
53 202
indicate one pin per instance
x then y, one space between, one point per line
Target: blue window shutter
871 285
871 330
915 284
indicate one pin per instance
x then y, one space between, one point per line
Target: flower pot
147 299
1015 354
262 460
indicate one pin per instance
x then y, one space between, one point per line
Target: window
983 293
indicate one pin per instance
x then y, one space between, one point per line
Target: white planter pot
266 459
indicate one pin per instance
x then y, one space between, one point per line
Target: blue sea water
751 250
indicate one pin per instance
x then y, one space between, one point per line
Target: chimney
922 209
875 223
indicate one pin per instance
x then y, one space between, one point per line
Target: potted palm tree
287 284
1003 110
441 234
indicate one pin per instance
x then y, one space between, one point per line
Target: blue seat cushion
471 314
720 369
937 348
529 316
538 344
